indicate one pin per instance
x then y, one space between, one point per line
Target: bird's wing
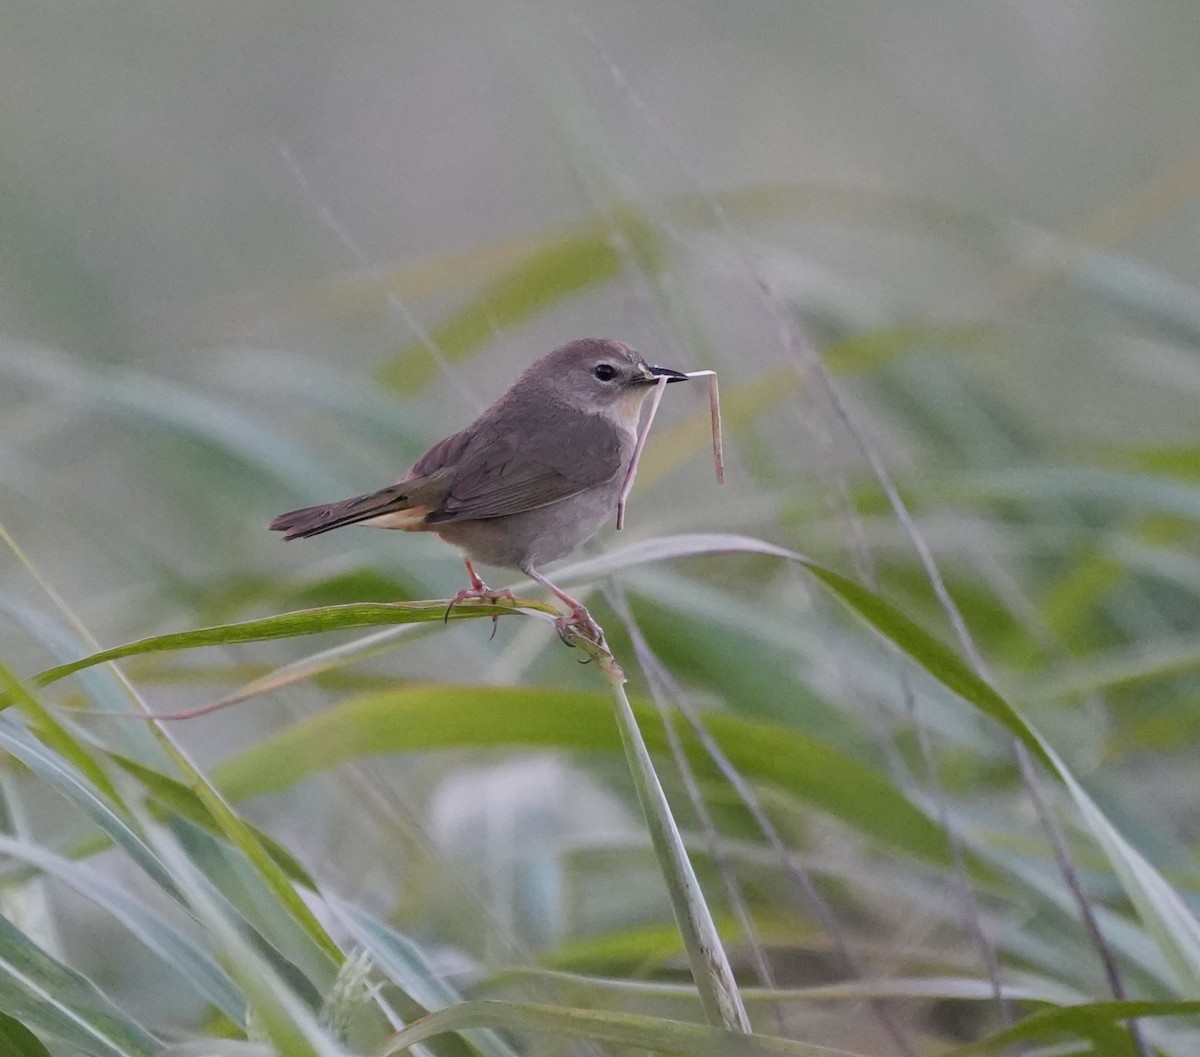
553 455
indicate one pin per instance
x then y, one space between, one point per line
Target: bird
531 479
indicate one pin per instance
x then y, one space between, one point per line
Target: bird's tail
402 505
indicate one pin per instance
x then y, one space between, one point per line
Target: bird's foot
480 592
580 622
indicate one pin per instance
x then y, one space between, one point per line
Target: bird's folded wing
553 457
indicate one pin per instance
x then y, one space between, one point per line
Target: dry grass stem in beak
643 433
714 404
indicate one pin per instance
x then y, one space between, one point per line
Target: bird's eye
606 372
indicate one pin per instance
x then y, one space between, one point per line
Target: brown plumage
528 481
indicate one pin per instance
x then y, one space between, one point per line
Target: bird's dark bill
667 373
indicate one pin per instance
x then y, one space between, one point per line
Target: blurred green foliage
264 256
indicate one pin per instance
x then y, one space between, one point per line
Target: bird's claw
580 623
480 592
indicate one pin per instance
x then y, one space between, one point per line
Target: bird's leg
478 591
477 584
580 618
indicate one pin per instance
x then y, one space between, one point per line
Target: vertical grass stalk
719 995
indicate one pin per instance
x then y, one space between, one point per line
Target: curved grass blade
53 734
1173 925
299 622
613 1029
1160 907
1165 915
276 1009
711 971
176 949
405 963
566 266
171 796
961 988
47 995
416 718
1098 1021
76 786
59 774
16 1040
235 830
178 407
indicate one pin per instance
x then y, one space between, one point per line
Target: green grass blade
16 1040
1099 1021
613 1029
175 948
175 797
53 734
559 269
243 838
965 988
288 625
1164 913
274 1007
68 781
400 959
710 966
50 997
417 718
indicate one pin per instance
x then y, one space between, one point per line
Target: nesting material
714 402
714 406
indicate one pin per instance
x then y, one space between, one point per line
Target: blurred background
260 256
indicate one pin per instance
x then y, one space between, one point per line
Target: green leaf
265 922
592 989
53 734
1099 1021
711 971
436 716
278 1012
276 881
175 948
1144 294
60 775
173 796
1165 915
755 677
613 1029
560 269
418 718
400 959
47 995
1160 907
934 656
16 1040
299 622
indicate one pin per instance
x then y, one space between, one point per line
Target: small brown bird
529 480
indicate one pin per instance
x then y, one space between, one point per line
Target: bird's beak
651 375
